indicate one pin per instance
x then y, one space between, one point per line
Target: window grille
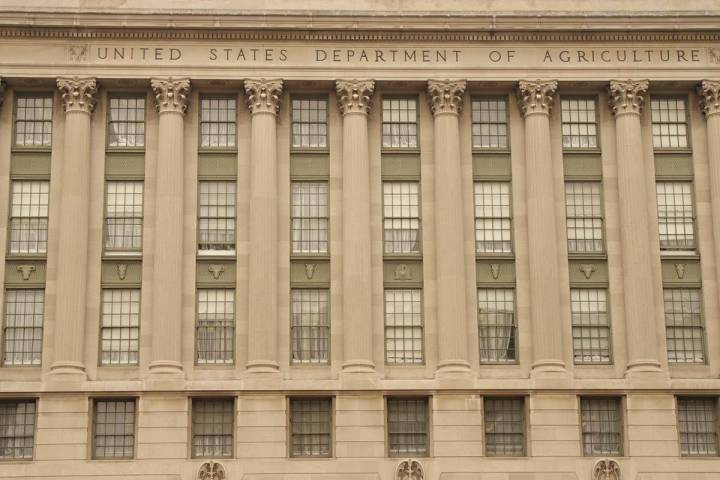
492 217
407 426
29 217
309 217
310 329
114 428
311 427
217 122
684 325
579 125
33 121
17 429
309 123
489 123
403 326
215 327
497 329
24 316
399 123
669 122
590 325
698 425
401 220
212 427
504 426
120 329
124 216
584 217
601 426
126 123
217 218
676 216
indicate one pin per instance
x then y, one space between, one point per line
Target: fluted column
171 101
264 104
354 102
626 101
536 101
78 98
446 102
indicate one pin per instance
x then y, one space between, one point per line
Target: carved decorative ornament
410 470
680 270
216 270
606 469
263 95
25 271
587 269
121 270
310 270
354 95
627 96
709 91
446 96
171 95
537 96
402 272
495 270
714 54
211 470
78 94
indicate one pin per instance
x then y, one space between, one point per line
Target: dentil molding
78 94
446 96
171 95
536 96
264 95
627 96
354 95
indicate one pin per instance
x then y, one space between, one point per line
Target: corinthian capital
536 96
709 91
627 96
78 94
171 95
354 95
263 95
446 96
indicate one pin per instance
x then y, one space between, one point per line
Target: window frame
422 326
32 93
216 254
219 95
126 94
191 425
400 96
35 256
483 150
93 426
608 313
3 327
289 425
622 419
103 288
516 328
311 96
511 218
602 217
598 129
703 325
313 255
124 253
671 96
35 400
196 356
716 402
428 424
401 255
670 253
311 364
525 424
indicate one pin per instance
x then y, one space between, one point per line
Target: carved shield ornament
211 470
410 469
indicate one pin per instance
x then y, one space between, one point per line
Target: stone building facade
384 242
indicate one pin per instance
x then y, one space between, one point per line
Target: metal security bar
29 217
504 426
401 217
676 216
492 217
590 325
212 427
669 122
601 426
23 329
217 122
120 328
216 218
698 426
310 328
579 123
497 329
403 326
407 426
583 210
124 216
33 120
309 123
126 122
399 123
114 428
17 429
310 427
684 325
309 217
489 123
215 326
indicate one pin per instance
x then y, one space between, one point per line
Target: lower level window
698 425
310 427
17 429
212 427
114 428
601 426
407 426
504 426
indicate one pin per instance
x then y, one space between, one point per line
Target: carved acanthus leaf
211 470
263 95
78 94
410 469
606 469
446 96
171 95
354 95
709 92
627 96
537 96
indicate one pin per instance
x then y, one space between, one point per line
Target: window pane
399 125
29 217
684 325
217 122
215 327
697 421
676 216
489 123
504 426
17 429
311 427
212 427
407 426
601 426
579 129
401 218
590 325
309 123
310 327
216 217
123 216
496 325
403 326
584 217
114 429
120 327
33 121
309 217
492 217
23 332
126 124
669 122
